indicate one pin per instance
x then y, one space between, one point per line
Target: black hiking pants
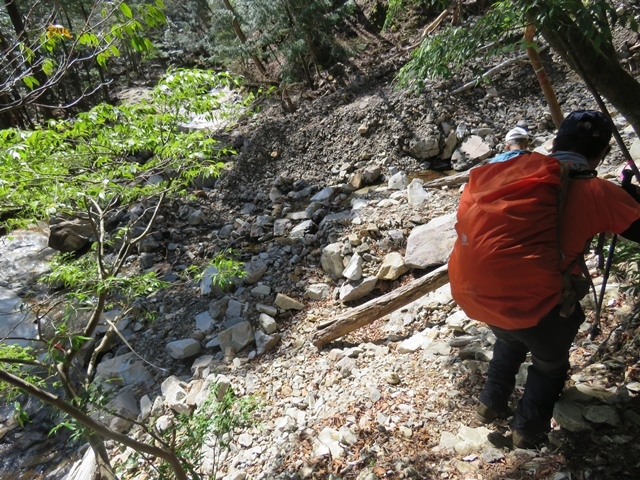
549 343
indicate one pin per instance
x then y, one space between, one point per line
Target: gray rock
317 291
287 303
325 195
351 291
145 408
328 444
602 415
424 149
416 194
430 245
275 194
125 405
204 321
371 174
457 321
206 284
195 218
175 395
185 348
237 337
218 307
353 270
69 234
255 271
568 410
413 343
281 226
472 151
331 260
449 145
268 309
302 229
200 364
123 370
234 309
265 342
468 440
147 260
261 291
231 321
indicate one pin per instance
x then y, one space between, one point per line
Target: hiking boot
521 440
486 414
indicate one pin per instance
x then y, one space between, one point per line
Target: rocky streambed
328 209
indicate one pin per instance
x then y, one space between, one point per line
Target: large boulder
430 245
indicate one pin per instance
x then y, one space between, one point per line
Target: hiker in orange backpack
514 263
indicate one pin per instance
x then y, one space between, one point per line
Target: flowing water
27 452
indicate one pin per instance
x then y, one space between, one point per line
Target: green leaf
48 66
126 11
30 81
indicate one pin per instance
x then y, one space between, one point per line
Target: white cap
517 133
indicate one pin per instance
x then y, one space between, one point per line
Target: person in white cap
516 143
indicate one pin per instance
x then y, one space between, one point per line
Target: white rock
353 270
416 193
399 181
267 323
317 291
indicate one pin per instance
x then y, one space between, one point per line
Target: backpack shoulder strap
573 289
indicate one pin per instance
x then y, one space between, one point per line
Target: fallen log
448 181
381 306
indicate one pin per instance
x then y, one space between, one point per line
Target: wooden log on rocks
379 307
448 181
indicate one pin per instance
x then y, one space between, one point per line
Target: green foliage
38 55
223 269
499 31
447 51
61 166
15 356
397 7
296 36
80 276
21 415
215 423
226 269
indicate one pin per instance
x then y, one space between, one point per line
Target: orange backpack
505 266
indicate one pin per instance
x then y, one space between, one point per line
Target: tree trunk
543 79
18 25
599 65
379 307
97 427
243 38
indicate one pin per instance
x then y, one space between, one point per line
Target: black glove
628 187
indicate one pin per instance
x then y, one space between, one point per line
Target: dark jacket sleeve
633 232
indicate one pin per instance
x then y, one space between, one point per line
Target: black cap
588 126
